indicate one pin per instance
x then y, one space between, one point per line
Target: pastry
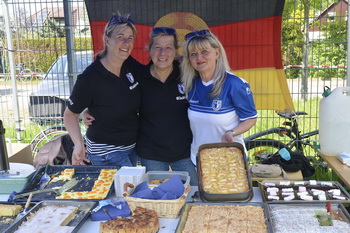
10 210
223 170
99 190
141 221
55 217
225 218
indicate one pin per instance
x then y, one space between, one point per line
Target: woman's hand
228 137
87 118
79 156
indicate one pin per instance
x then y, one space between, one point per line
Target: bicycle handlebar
290 115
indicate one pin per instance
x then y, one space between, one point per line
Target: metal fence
314 55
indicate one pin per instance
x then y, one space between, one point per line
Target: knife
70 184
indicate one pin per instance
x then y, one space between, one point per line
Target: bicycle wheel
45 136
260 149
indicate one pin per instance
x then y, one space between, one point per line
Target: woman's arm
242 127
71 122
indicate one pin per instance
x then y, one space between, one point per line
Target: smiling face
163 52
203 58
121 43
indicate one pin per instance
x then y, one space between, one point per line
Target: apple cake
223 170
225 218
142 221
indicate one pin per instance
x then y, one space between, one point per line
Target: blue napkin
120 209
169 190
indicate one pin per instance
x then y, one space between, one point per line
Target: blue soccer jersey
211 117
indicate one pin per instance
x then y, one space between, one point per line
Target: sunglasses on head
197 33
116 19
166 30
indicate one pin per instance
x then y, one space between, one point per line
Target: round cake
142 221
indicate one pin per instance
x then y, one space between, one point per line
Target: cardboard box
19 153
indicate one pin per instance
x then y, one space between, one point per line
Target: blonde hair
188 73
111 28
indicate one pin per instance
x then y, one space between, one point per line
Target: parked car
48 100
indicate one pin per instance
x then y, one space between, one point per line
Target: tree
51 29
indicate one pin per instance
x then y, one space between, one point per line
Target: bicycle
23 73
260 148
49 134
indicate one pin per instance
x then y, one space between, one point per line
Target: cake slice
9 210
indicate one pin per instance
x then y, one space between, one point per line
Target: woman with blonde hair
221 104
109 89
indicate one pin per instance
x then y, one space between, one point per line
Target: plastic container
162 175
132 175
334 125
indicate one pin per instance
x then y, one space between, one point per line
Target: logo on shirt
70 101
130 77
181 88
217 104
248 91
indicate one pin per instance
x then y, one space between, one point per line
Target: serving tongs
58 191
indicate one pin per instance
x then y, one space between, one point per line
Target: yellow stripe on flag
269 87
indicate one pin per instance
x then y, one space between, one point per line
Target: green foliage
42 52
51 29
331 50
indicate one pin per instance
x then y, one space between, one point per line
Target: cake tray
86 176
320 185
7 221
84 210
339 208
223 197
188 206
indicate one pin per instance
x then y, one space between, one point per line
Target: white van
48 100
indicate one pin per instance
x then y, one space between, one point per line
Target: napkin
120 209
169 190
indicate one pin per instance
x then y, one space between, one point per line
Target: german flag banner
250 31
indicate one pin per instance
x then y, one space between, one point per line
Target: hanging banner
250 31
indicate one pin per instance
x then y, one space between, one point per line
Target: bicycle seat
290 115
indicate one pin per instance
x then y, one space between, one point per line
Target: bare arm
242 127
71 122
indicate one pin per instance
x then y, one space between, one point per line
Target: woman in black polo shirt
109 89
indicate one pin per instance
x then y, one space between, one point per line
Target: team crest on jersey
130 77
248 90
217 104
181 88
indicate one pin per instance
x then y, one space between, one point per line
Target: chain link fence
314 55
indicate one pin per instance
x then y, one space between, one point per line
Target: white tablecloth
167 225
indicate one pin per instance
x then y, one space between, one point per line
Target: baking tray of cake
67 216
84 175
226 174
11 213
310 217
282 191
222 217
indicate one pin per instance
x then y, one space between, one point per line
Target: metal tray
341 211
219 197
335 185
188 206
86 176
82 214
5 222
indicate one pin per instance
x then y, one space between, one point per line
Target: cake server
70 184
26 207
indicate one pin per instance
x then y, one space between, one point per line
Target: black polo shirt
165 133
113 101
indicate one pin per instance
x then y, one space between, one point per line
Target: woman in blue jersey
221 104
109 89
